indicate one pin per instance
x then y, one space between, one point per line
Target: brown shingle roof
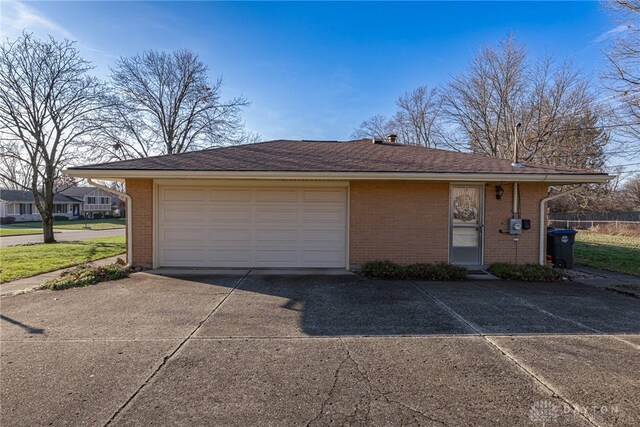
330 156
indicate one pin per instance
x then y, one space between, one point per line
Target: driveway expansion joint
564 319
545 385
166 358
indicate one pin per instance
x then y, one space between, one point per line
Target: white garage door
251 227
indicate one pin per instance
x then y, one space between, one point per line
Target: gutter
543 225
129 213
118 175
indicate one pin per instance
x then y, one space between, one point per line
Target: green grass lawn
614 253
29 260
78 224
6 232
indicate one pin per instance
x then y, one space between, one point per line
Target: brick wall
141 192
501 247
404 222
408 222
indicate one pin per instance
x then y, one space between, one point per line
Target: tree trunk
47 228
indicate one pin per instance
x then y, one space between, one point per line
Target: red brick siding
408 222
141 192
404 222
502 247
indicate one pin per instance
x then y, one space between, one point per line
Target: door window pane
466 205
465 237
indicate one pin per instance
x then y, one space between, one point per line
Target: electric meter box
515 226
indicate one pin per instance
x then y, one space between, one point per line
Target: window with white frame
104 200
60 208
13 209
91 200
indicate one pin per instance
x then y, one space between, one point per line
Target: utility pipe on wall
129 204
543 225
514 210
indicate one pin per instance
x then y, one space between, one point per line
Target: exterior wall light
499 192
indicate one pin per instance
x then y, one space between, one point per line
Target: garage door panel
252 227
186 256
322 236
181 215
222 257
182 236
221 196
277 216
276 195
325 196
183 195
225 214
323 215
230 235
279 236
288 256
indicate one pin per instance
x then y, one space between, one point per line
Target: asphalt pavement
61 236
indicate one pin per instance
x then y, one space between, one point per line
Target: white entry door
251 227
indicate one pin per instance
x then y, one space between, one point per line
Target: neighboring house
96 202
19 205
71 203
334 205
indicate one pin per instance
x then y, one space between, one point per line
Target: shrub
393 271
383 270
84 275
525 272
440 272
97 215
7 220
60 218
81 217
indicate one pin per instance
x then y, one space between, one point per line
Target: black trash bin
560 246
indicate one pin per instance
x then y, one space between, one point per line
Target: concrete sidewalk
604 279
29 283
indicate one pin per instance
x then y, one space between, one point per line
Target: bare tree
418 116
166 104
503 87
417 120
623 76
48 105
16 173
377 126
632 191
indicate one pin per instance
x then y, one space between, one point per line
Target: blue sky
316 70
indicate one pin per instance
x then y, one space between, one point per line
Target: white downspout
543 225
129 212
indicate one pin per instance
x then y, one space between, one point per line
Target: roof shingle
330 156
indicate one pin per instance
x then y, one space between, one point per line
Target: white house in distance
71 203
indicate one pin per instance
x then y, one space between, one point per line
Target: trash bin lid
561 232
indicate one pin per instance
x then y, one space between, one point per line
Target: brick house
331 204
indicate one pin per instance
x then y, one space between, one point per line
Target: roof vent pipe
376 140
392 138
516 162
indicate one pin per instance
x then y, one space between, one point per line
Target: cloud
611 33
17 17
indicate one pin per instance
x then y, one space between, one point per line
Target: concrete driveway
246 349
61 236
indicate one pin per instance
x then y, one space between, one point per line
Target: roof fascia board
113 174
